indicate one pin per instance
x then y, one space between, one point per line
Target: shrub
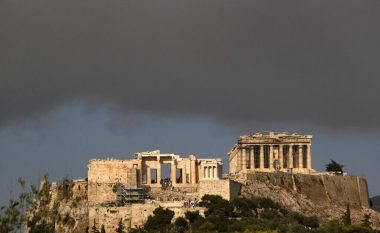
181 224
160 220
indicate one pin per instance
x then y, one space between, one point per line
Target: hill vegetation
243 214
259 215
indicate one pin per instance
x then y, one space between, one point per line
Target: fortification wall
226 188
322 189
103 174
133 215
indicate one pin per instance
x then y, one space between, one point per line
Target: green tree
346 217
94 229
181 224
160 220
103 229
65 189
120 227
366 221
42 217
333 166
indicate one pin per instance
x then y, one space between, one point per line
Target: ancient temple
151 169
269 152
184 172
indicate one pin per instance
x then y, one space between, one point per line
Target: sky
91 78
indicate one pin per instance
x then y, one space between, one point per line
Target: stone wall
133 215
228 189
102 176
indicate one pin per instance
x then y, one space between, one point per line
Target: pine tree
120 227
366 221
103 229
347 216
333 166
94 229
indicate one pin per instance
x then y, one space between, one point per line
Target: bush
160 220
65 189
356 229
332 226
193 216
311 222
181 224
334 167
215 203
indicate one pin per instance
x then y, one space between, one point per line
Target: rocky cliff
326 196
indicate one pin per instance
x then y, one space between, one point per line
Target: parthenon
271 152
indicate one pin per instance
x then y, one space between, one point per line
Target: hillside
376 203
324 196
299 198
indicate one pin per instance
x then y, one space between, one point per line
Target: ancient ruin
132 189
269 152
275 165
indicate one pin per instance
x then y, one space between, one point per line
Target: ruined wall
133 215
322 189
103 174
228 189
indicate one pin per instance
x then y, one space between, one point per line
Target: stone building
146 170
166 180
269 152
184 172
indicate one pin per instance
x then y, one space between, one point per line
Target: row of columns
173 172
210 172
280 156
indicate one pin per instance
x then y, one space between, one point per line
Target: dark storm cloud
309 62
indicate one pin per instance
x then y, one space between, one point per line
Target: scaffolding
125 195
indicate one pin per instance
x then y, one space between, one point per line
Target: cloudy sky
92 78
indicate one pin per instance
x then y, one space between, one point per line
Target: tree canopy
333 166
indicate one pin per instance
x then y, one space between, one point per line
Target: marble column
193 173
280 155
141 171
243 159
148 176
290 156
271 165
300 156
158 170
252 159
184 174
308 156
173 172
261 157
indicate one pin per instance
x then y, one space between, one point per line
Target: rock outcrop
326 196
